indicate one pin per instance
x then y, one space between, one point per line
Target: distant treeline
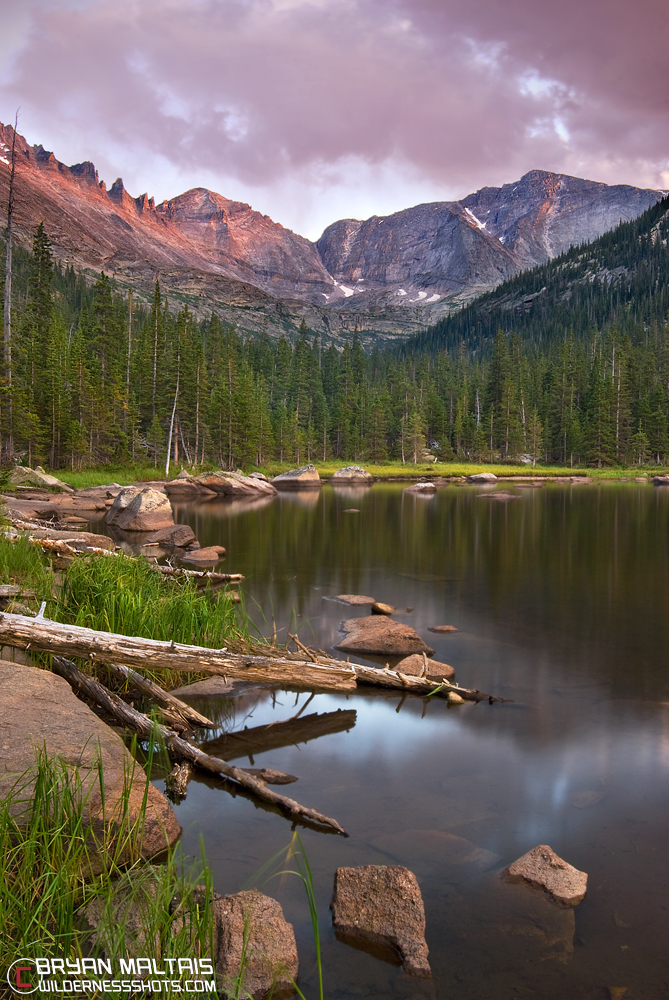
96 378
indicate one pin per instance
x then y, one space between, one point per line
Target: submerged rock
250 926
499 495
351 474
355 599
207 555
422 489
543 868
436 850
180 536
511 927
414 666
381 636
445 629
378 608
380 906
306 476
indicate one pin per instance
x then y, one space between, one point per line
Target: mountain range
390 276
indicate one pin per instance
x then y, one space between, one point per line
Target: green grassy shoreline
125 475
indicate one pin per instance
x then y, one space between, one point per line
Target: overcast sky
314 110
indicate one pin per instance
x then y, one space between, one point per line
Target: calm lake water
562 601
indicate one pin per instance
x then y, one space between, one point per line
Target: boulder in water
381 636
351 474
141 510
482 477
543 868
415 664
305 477
380 907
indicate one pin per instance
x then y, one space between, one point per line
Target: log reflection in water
248 742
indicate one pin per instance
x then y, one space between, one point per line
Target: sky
316 110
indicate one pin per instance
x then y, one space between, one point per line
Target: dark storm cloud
461 93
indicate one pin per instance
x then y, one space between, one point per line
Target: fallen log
92 689
199 574
270 776
419 685
46 636
8 590
259 739
156 693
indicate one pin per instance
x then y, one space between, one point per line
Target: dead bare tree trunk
7 316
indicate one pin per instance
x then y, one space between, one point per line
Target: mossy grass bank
126 475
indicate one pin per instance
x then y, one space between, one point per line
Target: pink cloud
460 93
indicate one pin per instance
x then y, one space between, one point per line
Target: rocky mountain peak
393 274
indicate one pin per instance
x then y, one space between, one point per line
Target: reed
52 867
124 595
25 564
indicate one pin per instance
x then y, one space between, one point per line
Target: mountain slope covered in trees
620 279
568 363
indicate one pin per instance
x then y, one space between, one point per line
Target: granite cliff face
441 254
390 276
200 231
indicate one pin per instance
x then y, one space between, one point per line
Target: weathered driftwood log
8 590
47 636
144 727
259 739
270 776
198 574
419 685
156 693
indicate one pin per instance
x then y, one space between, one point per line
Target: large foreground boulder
304 478
140 510
234 484
252 926
543 868
380 907
38 711
351 474
381 636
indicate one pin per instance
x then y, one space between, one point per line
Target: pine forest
565 364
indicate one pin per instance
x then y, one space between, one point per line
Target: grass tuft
52 867
124 595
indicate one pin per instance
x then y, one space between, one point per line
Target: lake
561 598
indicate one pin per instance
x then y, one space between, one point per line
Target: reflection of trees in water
584 566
